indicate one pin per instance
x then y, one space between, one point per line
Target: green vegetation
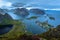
6 21
52 34
33 17
17 30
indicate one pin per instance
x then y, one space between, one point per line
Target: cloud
0 0
4 4
40 3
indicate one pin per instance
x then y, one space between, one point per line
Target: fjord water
5 28
31 26
56 15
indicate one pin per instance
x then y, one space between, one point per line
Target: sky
40 3
4 4
43 2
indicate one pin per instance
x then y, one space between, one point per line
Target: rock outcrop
52 33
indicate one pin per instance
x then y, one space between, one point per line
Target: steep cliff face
2 11
4 17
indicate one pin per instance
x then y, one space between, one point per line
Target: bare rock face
37 11
21 12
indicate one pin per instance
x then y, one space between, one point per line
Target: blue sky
43 2
40 3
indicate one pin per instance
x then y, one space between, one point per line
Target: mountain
37 11
2 11
23 12
4 17
17 4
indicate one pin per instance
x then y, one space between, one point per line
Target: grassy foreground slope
17 30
